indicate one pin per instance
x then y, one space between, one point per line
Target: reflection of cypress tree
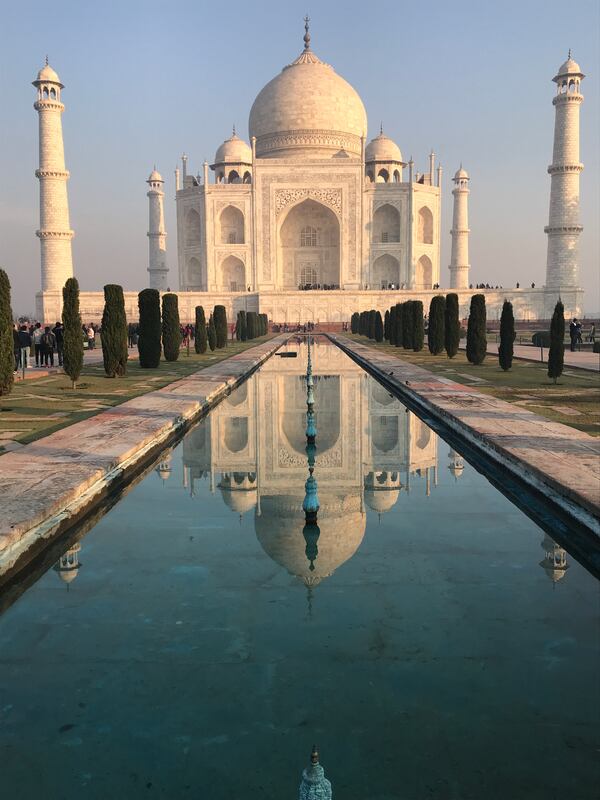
7 356
418 326
408 324
476 330
72 334
451 325
201 340
149 332
399 325
114 331
171 330
556 353
507 336
435 334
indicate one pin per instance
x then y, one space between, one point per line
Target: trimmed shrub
392 326
386 326
354 322
201 339
364 323
171 329
371 329
541 339
476 328
399 325
436 329
243 326
452 329
220 317
556 353
418 326
251 325
149 328
72 335
407 325
596 347
114 331
264 328
7 349
507 336
378 327
212 333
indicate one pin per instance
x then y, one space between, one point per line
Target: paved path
49 480
583 359
550 454
89 357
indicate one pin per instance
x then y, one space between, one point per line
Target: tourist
59 335
16 346
573 334
37 342
592 333
25 346
579 331
518 285
91 337
47 345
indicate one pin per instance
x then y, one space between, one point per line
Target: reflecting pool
428 636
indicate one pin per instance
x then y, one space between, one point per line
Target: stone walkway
550 454
49 480
583 359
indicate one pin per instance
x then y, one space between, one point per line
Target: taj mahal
310 220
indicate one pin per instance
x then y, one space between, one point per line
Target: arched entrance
232 275
309 247
423 273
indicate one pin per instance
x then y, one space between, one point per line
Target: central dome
308 110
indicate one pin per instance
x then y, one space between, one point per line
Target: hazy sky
148 80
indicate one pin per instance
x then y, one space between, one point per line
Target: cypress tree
72 335
507 336
399 331
556 353
392 325
354 322
212 333
418 326
386 326
7 350
451 325
378 327
362 327
200 340
149 333
251 325
238 328
435 335
372 323
407 325
265 325
243 326
476 338
114 331
220 317
171 329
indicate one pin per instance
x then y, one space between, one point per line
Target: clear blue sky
146 81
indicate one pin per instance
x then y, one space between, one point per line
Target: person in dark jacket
16 348
24 346
48 343
59 335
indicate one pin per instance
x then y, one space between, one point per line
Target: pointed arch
192 228
386 224
232 275
231 223
385 272
308 239
425 226
383 176
424 273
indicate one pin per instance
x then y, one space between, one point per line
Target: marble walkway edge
551 456
50 479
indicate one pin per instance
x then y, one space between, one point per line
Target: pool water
438 644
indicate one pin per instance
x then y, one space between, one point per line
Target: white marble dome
48 75
570 67
307 110
382 148
234 151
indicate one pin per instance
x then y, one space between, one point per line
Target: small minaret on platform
55 233
459 258
157 235
563 229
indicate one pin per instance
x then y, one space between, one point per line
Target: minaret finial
233 134
380 128
47 58
306 33
569 56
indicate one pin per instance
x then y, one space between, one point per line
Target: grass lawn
36 408
574 401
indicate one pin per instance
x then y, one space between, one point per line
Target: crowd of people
576 334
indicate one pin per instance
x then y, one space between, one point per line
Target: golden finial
306 33
47 58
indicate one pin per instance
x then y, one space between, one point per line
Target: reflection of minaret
456 464
314 785
68 564
555 559
163 469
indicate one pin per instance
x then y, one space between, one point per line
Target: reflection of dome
239 491
68 564
382 148
279 530
555 562
234 151
307 108
381 500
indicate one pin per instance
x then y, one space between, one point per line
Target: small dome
382 148
381 500
570 67
240 500
155 176
234 151
48 75
461 174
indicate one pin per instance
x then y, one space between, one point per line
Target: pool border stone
557 461
46 485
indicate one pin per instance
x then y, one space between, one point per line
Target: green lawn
574 401
41 406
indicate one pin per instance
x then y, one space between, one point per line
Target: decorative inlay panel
331 197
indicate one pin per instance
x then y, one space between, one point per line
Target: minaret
157 235
563 229
459 258
55 233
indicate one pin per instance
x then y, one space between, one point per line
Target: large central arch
308 246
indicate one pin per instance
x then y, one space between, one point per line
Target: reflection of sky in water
195 653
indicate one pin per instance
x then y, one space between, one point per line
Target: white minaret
459 258
563 229
55 233
157 235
